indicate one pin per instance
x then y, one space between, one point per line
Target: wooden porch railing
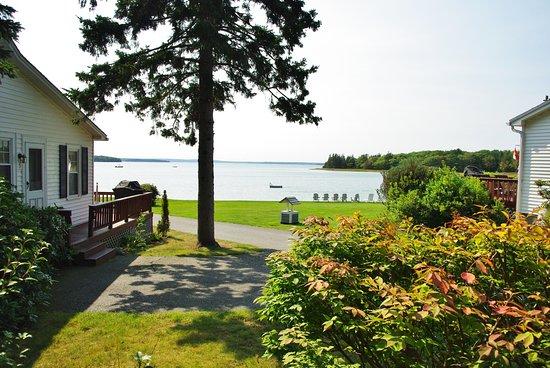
106 214
103 197
505 189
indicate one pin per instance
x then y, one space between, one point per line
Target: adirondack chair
371 198
356 198
335 197
325 197
316 197
344 197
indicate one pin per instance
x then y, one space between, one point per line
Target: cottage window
5 159
73 171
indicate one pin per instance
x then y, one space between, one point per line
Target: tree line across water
487 160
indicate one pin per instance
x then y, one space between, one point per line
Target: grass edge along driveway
180 244
267 213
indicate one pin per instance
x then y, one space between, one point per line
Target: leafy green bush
12 350
26 259
54 230
404 178
140 239
153 189
377 293
163 225
436 201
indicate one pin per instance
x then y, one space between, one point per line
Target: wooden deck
504 189
109 221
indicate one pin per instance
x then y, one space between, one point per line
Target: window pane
73 183
5 171
4 151
35 169
73 161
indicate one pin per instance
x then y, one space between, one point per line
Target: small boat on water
119 166
275 186
175 166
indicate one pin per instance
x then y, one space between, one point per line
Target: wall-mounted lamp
22 158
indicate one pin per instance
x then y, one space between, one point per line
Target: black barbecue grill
127 188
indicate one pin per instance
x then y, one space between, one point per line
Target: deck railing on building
505 189
107 211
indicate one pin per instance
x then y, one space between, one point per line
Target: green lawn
266 214
185 245
174 339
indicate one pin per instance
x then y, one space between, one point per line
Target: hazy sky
394 76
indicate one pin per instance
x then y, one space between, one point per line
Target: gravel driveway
148 284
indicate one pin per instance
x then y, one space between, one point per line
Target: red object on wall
516 154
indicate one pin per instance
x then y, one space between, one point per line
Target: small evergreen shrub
163 225
378 293
153 189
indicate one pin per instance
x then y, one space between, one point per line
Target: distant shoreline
166 160
350 170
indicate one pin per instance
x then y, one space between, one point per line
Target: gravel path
244 234
148 284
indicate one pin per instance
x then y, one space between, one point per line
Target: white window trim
79 160
13 161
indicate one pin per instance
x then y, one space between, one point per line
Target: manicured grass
174 339
185 245
267 214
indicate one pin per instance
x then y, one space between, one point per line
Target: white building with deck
533 127
46 153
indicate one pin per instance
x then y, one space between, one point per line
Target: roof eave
518 120
95 131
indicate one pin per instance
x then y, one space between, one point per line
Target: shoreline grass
180 244
174 339
267 213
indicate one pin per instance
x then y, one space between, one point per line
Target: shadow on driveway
148 284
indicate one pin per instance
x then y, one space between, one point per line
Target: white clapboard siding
535 160
29 114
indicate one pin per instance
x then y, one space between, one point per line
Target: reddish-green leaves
473 293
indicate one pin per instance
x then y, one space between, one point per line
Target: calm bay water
248 181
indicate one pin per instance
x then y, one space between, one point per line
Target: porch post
91 215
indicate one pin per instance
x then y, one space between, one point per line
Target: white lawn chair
335 197
371 198
316 197
325 197
344 197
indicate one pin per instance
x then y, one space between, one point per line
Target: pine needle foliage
163 225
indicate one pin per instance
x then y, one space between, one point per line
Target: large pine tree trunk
205 229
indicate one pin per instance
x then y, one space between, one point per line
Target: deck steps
93 254
87 250
98 258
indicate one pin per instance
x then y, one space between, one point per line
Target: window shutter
62 171
84 166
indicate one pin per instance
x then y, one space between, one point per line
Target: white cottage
534 164
43 153
46 152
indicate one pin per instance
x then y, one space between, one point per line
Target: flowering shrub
376 293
